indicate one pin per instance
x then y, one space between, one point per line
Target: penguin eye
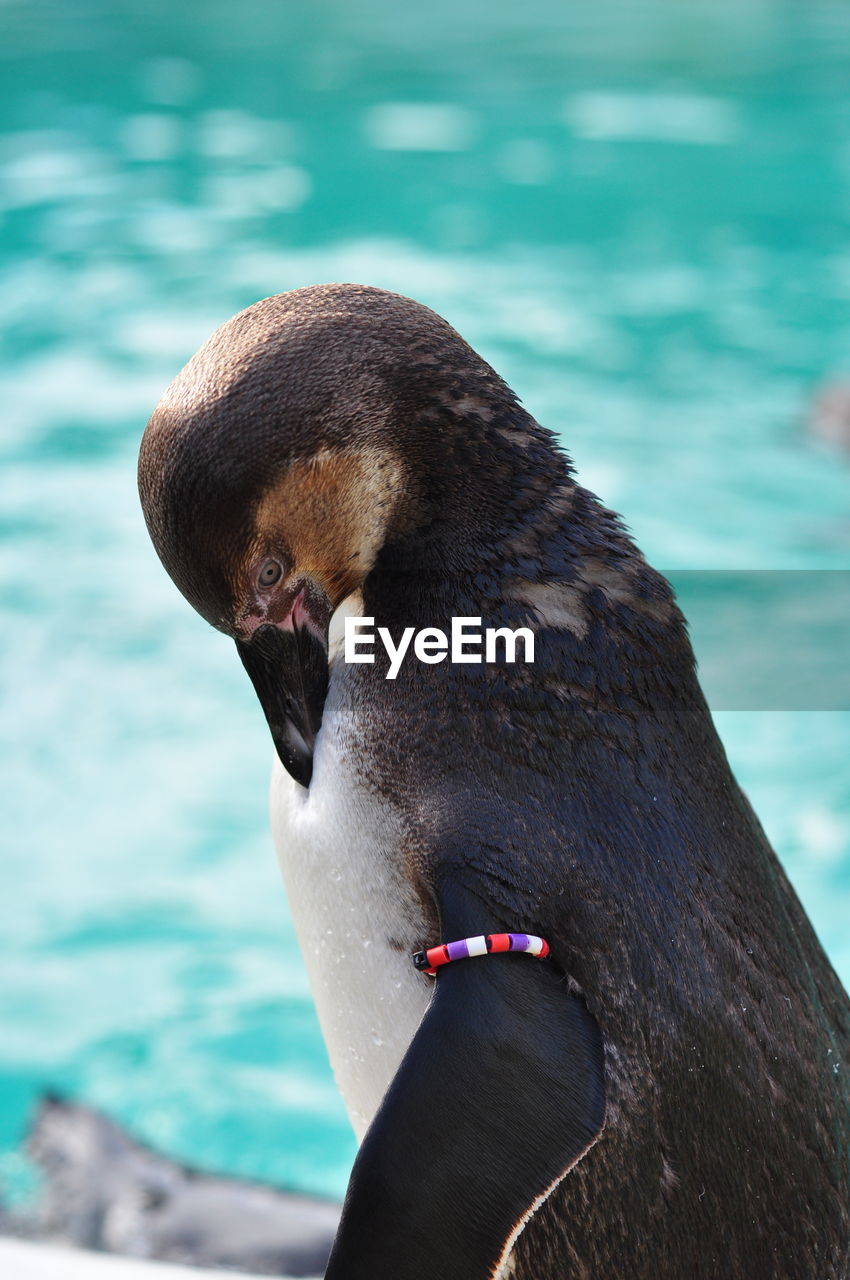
270 573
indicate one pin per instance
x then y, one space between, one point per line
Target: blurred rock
829 415
103 1190
29 1260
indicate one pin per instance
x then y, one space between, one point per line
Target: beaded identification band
486 944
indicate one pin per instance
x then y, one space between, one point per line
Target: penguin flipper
499 1094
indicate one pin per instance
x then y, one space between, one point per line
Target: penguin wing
499 1094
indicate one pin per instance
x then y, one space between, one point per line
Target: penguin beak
289 671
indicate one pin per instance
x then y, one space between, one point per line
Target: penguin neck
533 548
480 482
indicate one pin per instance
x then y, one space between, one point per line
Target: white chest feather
356 917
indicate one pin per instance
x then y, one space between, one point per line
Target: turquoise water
640 215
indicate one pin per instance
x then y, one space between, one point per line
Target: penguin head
293 447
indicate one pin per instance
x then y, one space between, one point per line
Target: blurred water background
638 213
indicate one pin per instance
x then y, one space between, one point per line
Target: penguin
665 1094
